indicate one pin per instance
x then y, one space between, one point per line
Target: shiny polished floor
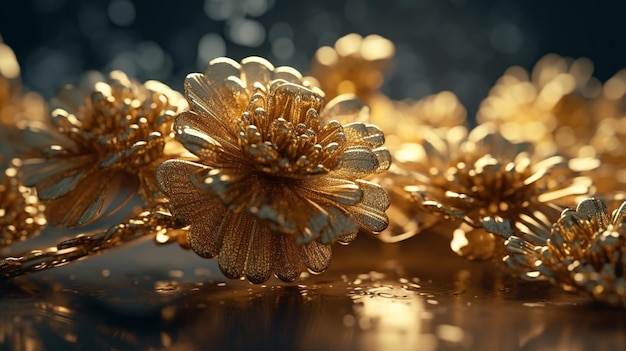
410 296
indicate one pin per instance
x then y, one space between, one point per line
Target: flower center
280 132
491 187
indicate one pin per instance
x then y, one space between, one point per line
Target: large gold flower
21 213
105 136
279 176
584 251
482 181
355 65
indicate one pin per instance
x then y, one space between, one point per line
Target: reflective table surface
416 295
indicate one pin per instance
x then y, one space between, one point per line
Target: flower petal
345 109
188 203
227 184
340 191
363 134
357 162
235 233
225 99
261 254
342 226
256 69
207 137
289 74
79 206
287 261
316 256
370 212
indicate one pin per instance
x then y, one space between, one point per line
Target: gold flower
584 251
530 108
105 136
279 176
21 213
355 65
405 123
482 181
562 108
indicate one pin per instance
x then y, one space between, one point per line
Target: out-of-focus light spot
246 32
126 62
150 56
121 12
615 88
255 8
210 46
283 48
9 67
219 10
375 47
327 56
280 30
450 333
391 317
506 38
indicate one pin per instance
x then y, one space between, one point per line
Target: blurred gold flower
16 107
280 174
355 65
585 250
561 108
481 181
405 123
106 136
21 213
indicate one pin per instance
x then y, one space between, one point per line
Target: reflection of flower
483 179
100 134
585 250
355 65
16 107
562 108
21 213
279 178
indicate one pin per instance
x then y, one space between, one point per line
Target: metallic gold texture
585 251
104 139
481 181
281 174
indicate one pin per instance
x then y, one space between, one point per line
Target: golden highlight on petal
279 175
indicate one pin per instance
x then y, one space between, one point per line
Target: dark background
458 45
